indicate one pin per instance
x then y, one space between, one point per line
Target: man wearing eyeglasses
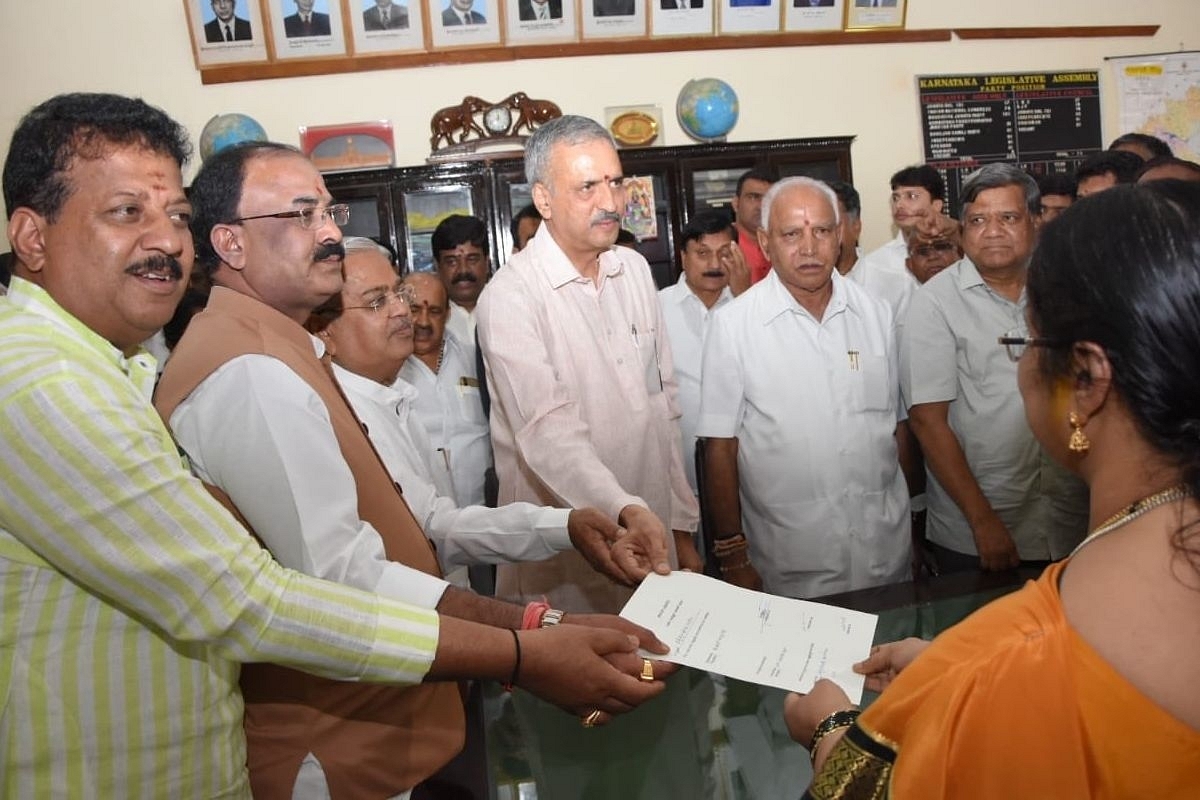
994 500
918 193
260 416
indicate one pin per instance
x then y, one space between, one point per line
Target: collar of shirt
968 277
398 396
455 308
777 300
141 367
681 293
558 268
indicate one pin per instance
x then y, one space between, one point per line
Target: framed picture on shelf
464 23
813 15
750 16
614 19
682 17
226 31
307 28
537 21
864 15
387 26
357 145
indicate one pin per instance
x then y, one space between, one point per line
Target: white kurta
813 405
451 412
463 535
687 319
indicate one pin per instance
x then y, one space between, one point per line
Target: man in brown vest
252 403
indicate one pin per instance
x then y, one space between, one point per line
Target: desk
748 754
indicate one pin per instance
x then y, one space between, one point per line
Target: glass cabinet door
422 203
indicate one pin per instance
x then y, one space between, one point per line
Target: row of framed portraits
234 31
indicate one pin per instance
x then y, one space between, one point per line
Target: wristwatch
551 618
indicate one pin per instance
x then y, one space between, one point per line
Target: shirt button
620 361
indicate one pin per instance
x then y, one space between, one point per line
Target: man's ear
938 205
541 199
761 235
26 234
1091 377
226 241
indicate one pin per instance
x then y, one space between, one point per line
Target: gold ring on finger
647 670
592 719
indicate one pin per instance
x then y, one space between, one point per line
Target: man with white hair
799 401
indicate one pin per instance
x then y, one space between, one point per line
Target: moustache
422 330
713 273
324 251
605 216
403 327
464 277
157 265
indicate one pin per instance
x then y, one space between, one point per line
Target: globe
707 109
226 130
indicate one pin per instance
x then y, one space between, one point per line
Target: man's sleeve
94 488
722 381
549 434
259 433
928 356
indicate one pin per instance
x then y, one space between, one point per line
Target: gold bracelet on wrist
729 545
834 722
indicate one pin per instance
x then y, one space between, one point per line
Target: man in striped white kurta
127 594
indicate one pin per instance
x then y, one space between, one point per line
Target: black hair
921 175
1121 268
1123 164
764 174
528 212
1155 145
704 223
458 229
216 194
82 125
1056 183
1168 161
849 197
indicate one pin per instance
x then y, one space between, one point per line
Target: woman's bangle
516 673
834 722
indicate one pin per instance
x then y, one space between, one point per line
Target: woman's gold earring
1079 442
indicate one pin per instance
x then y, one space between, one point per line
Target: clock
497 120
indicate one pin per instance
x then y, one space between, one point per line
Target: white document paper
752 636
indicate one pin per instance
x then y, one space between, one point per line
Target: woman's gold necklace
1135 510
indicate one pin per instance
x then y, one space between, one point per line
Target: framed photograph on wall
464 23
750 16
535 21
813 15
387 26
355 145
863 15
307 28
614 19
226 31
682 17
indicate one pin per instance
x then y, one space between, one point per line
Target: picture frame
750 16
424 209
682 17
323 35
862 15
611 19
245 28
350 146
387 26
447 29
813 15
524 23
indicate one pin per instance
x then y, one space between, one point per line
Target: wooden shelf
342 64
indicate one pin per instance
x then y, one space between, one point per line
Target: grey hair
569 130
997 176
792 183
361 244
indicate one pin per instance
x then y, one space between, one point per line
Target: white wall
141 47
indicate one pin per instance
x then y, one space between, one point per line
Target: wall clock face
497 119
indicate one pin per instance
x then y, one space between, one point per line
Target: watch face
497 119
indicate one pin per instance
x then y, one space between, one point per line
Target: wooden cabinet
401 206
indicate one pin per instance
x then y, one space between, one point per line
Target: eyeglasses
930 250
404 294
310 217
1015 344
